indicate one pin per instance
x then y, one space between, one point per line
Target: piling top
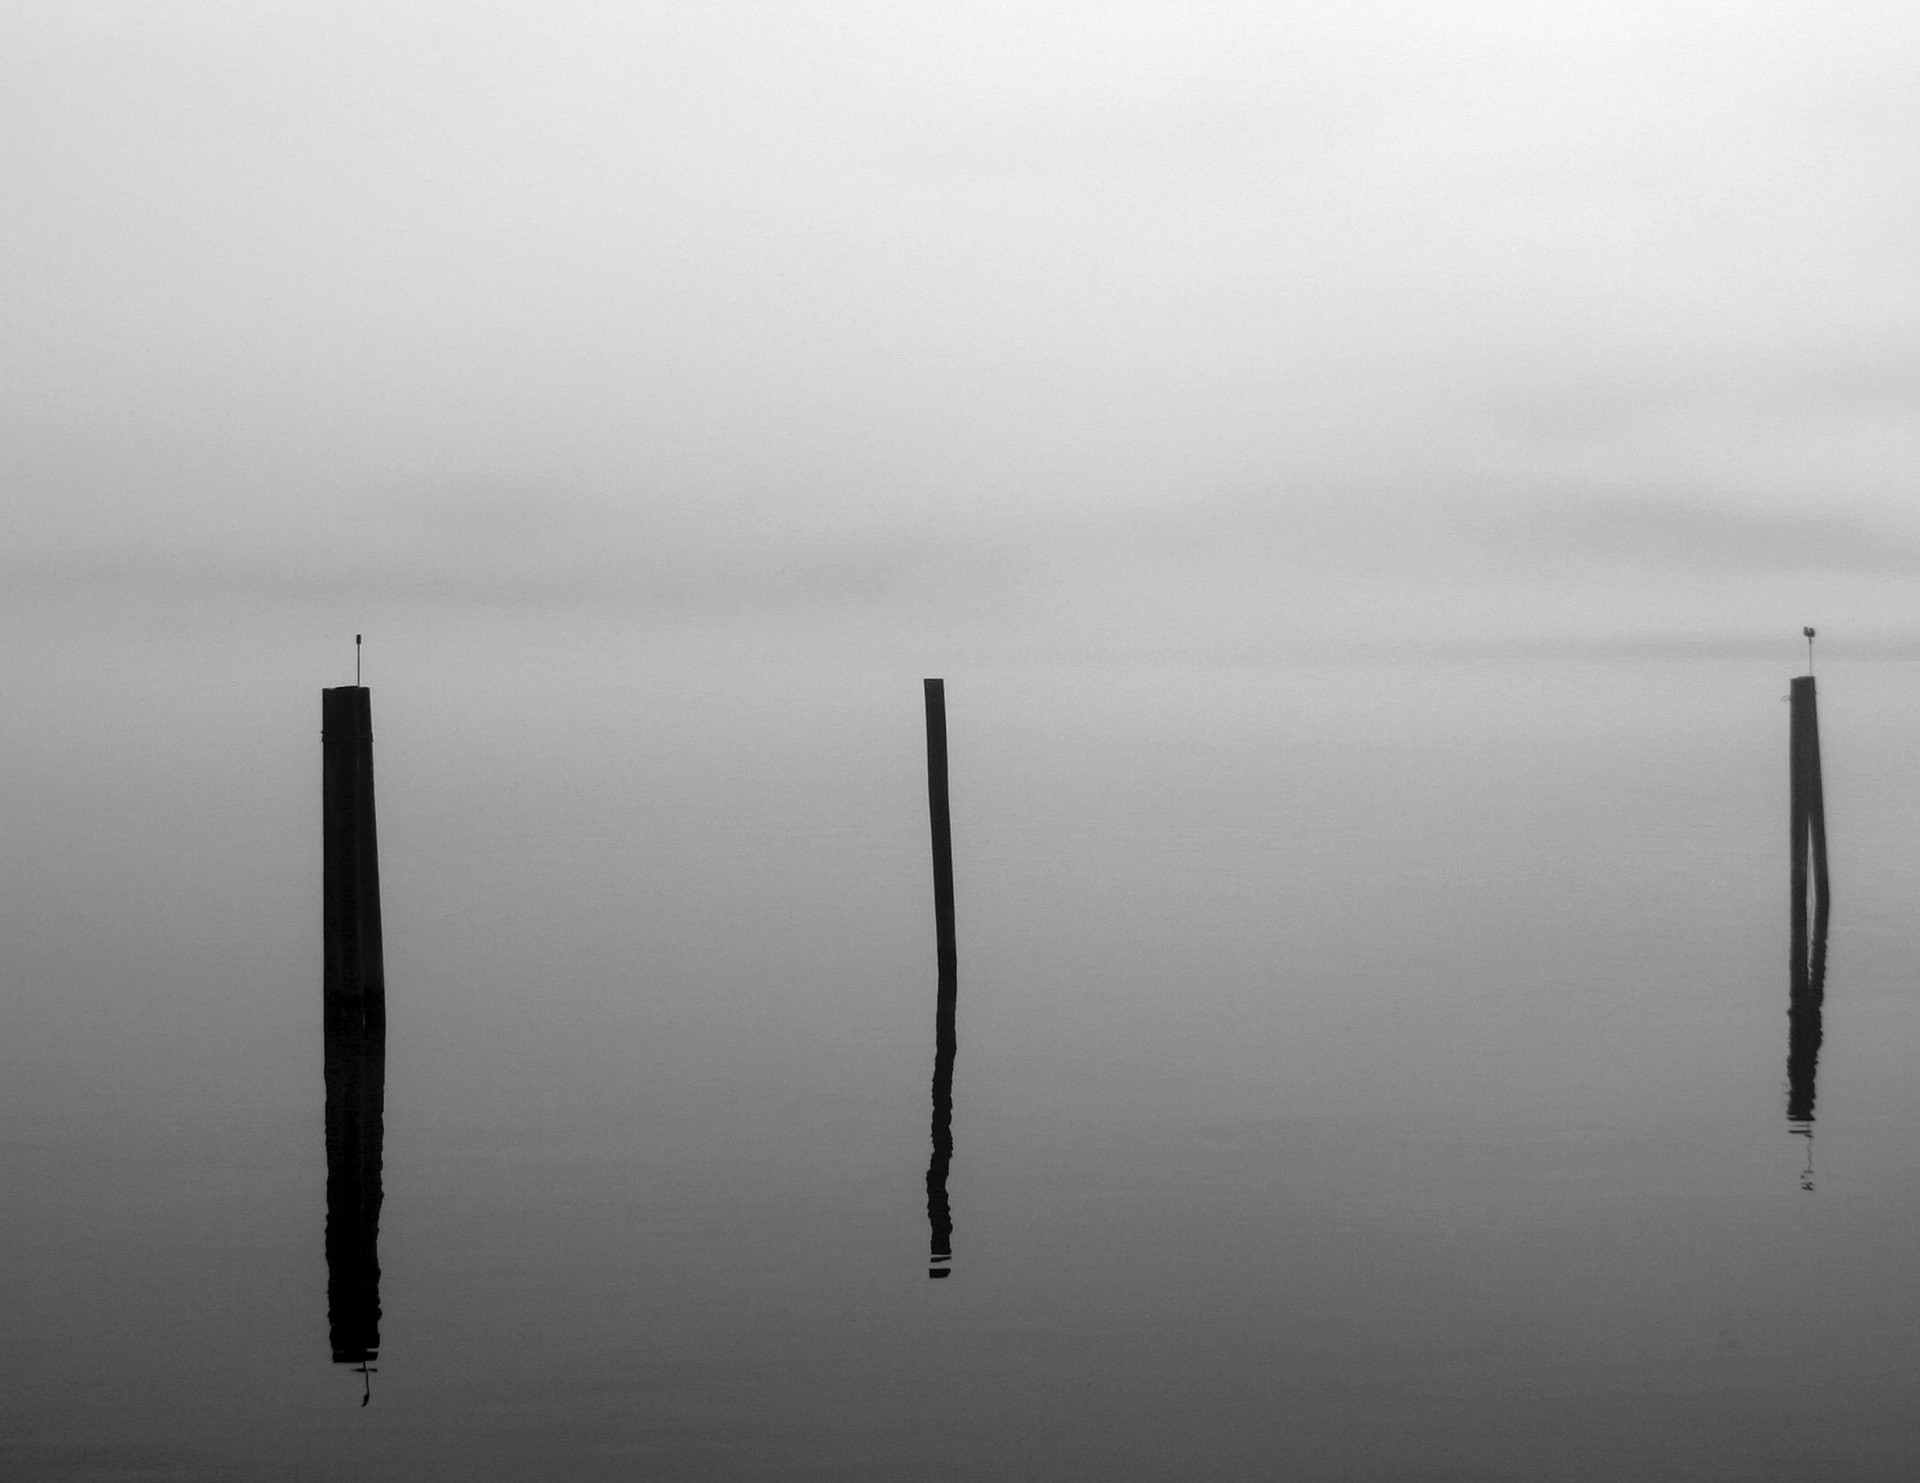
346 711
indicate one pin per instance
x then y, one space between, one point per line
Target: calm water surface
1362 1073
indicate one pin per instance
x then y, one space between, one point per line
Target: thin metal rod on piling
940 819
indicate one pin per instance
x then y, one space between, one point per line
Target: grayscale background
1361 469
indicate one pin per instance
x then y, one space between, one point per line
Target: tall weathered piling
1806 827
351 852
354 996
940 818
939 1212
1808 820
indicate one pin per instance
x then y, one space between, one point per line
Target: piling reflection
1805 997
356 1067
939 1212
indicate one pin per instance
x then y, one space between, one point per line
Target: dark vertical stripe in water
940 819
354 1001
1806 996
939 1212
356 1072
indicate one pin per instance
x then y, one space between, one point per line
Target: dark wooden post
940 818
1807 813
351 865
1816 796
1797 826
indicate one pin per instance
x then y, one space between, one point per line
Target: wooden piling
1809 804
940 818
1807 815
350 848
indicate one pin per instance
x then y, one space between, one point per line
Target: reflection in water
939 1213
356 1071
1806 993
1807 968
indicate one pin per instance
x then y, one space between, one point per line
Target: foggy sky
1118 325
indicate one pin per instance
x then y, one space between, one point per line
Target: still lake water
1364 1072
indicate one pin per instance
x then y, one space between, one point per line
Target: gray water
1364 1072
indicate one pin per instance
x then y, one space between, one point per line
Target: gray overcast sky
1114 324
